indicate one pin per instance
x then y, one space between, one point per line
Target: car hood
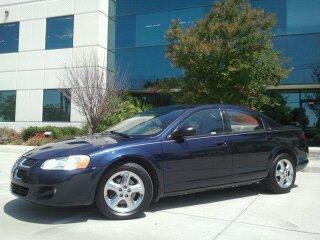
76 146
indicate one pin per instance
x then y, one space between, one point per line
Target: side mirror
181 133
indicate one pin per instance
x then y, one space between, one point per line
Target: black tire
271 181
146 179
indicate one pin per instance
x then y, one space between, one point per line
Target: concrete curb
314 152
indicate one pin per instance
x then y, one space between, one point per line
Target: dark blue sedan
161 152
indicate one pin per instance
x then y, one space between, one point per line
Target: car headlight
67 163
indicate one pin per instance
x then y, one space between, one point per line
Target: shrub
9 136
128 108
39 139
58 133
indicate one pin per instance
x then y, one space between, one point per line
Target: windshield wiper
118 133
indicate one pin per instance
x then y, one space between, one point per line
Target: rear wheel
124 192
282 174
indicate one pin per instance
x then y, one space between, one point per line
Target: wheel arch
146 164
282 150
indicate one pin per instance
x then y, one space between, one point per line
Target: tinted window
59 32
148 123
56 106
303 16
205 122
273 124
9 37
303 50
7 106
143 65
241 121
125 7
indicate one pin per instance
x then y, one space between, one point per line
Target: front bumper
55 187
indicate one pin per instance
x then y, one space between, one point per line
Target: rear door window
241 121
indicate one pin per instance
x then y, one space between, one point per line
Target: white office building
37 39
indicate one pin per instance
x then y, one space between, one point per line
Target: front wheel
282 174
124 192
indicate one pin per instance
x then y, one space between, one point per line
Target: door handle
221 145
272 139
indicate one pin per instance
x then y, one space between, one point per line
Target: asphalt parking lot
238 213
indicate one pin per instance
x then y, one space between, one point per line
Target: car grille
19 190
27 162
21 174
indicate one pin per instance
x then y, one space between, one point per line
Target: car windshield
148 123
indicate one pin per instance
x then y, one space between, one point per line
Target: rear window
272 123
241 121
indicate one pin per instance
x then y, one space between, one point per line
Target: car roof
201 106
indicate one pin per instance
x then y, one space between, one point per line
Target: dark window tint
205 122
142 66
278 8
150 29
59 32
7 106
272 124
124 7
56 106
9 37
303 16
241 121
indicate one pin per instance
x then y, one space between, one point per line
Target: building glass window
142 66
138 27
9 37
7 106
56 106
304 107
129 7
59 32
303 16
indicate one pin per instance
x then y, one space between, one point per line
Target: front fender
148 154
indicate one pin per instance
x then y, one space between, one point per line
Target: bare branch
88 85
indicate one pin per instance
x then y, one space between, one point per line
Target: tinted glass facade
59 32
9 37
137 29
137 43
56 106
7 106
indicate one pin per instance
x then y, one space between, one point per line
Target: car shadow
34 213
206 197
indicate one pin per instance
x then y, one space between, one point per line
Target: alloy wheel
284 173
124 192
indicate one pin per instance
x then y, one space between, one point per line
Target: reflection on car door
199 161
250 145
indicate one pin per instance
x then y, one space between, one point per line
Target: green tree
227 57
279 111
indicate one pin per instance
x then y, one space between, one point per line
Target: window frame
18 34
15 105
46 32
253 114
43 105
203 135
